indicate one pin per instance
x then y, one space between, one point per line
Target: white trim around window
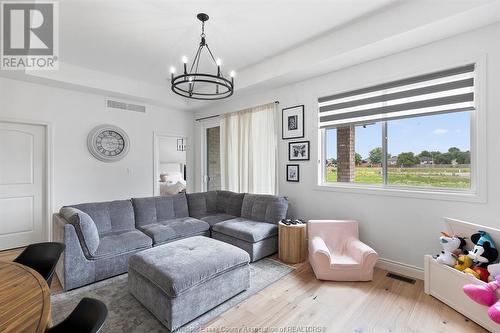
478 191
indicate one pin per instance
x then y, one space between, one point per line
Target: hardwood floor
300 303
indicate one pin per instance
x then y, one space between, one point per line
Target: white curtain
250 150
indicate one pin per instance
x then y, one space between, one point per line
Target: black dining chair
88 317
42 257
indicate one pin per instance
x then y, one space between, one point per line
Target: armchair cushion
85 227
342 261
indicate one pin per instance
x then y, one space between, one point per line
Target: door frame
49 175
206 124
157 135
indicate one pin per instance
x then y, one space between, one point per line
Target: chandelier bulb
218 62
172 70
184 59
232 73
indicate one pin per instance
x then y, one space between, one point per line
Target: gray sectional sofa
100 237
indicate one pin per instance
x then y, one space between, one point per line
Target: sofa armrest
361 252
85 229
74 269
318 246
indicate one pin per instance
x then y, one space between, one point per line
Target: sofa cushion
115 243
247 230
265 208
216 218
229 202
110 216
201 203
153 209
85 227
179 266
165 231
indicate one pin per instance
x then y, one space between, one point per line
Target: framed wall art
298 151
292 126
292 172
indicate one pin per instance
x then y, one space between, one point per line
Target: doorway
170 164
23 184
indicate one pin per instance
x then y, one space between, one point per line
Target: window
412 133
431 151
365 139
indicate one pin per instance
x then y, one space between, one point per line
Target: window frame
477 192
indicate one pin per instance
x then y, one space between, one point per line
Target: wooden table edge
45 319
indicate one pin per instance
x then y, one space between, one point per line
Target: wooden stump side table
292 243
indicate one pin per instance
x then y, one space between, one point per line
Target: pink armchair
336 253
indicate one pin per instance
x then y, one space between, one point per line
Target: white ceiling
124 48
142 39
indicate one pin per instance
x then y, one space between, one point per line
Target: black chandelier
198 85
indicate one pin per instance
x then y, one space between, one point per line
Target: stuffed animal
494 270
452 247
485 294
463 262
482 254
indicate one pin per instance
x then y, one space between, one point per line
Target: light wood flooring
299 303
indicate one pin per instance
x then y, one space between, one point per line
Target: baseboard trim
400 268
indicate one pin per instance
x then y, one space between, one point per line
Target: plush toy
463 262
482 254
452 247
485 294
494 270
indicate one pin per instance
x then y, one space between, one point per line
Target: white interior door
22 184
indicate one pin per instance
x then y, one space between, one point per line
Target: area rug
126 314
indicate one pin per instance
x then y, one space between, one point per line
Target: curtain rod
217 115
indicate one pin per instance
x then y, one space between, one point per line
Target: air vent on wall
114 104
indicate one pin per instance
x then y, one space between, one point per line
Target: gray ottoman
180 281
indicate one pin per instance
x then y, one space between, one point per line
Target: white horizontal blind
445 91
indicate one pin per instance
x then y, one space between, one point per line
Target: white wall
167 150
77 176
401 229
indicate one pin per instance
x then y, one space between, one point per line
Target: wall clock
108 143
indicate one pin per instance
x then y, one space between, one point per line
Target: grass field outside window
440 176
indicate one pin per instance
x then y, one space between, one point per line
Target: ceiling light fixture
198 85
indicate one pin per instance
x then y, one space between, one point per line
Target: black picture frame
307 150
292 122
180 145
297 178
